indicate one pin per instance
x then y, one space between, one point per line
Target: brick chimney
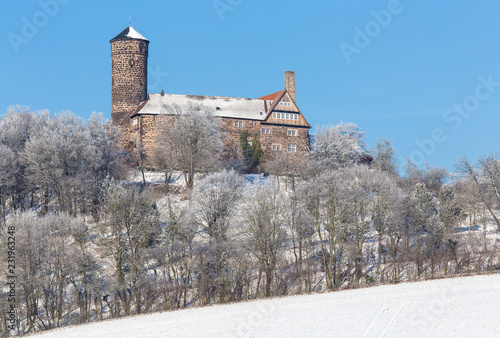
290 83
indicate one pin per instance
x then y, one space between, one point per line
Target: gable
284 110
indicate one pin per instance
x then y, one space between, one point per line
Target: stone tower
129 76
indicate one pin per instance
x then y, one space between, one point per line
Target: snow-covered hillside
459 307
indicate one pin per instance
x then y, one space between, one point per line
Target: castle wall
147 128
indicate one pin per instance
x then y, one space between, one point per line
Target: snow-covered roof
233 107
129 33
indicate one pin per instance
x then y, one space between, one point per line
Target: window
286 104
134 122
266 131
217 108
253 122
276 147
238 124
154 118
292 132
292 147
286 116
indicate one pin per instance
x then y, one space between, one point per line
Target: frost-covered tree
322 198
68 157
449 211
465 168
165 159
427 222
265 232
18 125
214 203
9 169
385 215
434 178
337 146
364 190
194 139
130 226
385 157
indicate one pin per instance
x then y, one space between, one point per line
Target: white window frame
286 116
238 124
292 132
276 147
266 131
135 122
292 147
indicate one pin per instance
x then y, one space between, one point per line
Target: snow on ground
458 307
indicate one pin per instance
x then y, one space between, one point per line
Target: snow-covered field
459 307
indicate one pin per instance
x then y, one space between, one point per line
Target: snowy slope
460 307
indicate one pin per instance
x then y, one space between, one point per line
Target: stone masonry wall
128 80
146 130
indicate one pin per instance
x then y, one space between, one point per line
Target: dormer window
286 116
218 108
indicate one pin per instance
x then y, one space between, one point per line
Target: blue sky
423 74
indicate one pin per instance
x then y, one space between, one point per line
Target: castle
274 119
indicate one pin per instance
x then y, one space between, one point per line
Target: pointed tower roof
129 33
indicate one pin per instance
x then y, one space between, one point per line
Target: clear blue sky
404 77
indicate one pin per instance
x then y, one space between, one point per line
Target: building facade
275 119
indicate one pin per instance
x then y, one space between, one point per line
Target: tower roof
129 33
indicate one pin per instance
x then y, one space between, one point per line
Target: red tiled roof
272 96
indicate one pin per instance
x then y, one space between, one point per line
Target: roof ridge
215 96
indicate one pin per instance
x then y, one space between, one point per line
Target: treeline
91 246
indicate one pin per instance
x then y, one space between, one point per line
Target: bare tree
264 230
464 167
384 157
9 169
130 226
214 204
194 139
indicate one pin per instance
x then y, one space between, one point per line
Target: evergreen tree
251 152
